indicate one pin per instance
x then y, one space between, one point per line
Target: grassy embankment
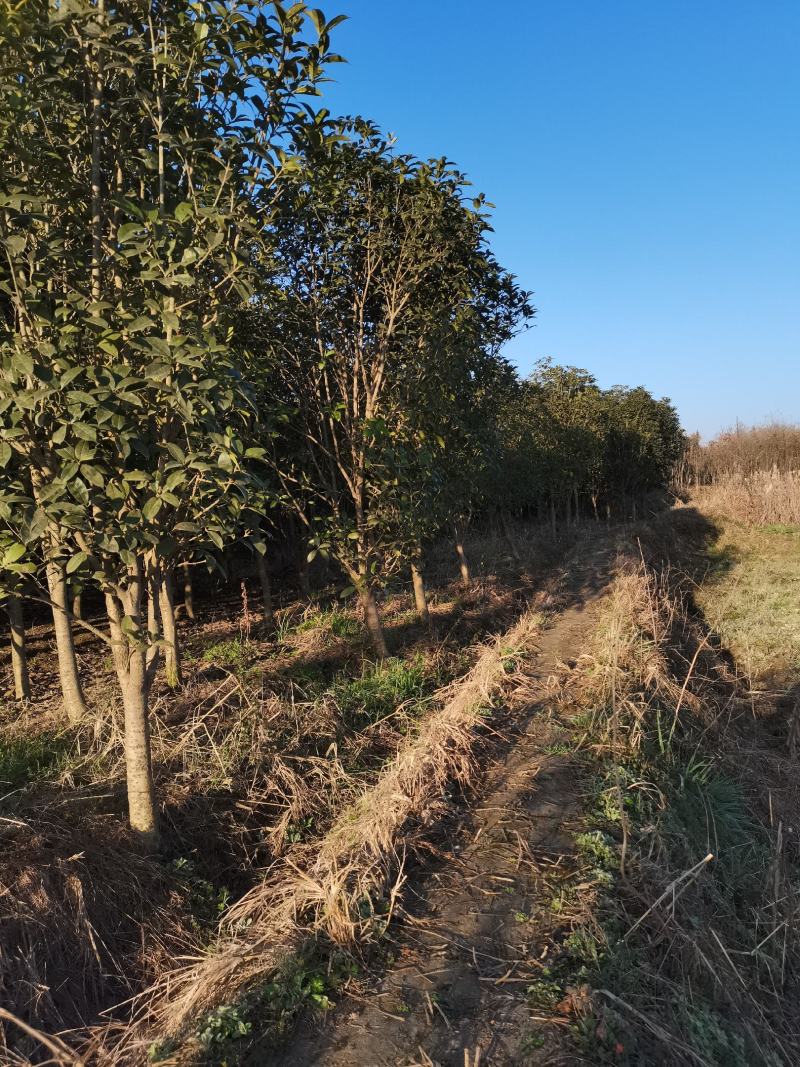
679 942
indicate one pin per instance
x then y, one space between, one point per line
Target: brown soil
479 925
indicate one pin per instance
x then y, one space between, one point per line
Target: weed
380 689
531 1042
338 623
234 654
205 901
559 748
24 760
596 847
299 831
545 992
271 1009
222 1026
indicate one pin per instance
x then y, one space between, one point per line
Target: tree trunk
77 605
138 760
19 659
373 620
71 692
135 667
420 601
553 519
266 591
188 592
462 560
577 508
172 654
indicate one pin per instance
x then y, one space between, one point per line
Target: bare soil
479 925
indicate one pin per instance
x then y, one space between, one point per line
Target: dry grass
358 860
70 936
760 498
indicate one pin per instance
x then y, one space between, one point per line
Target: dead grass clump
641 639
71 907
344 885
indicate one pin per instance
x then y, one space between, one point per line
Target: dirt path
476 932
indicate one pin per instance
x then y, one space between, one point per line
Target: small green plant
558 748
222 1026
299 831
597 849
162 1049
544 993
531 1042
339 623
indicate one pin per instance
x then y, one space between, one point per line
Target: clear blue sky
644 159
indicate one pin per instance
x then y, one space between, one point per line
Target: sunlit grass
751 598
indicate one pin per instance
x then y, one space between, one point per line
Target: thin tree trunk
172 653
71 691
77 605
420 600
553 519
188 592
19 659
575 498
373 620
462 560
135 666
266 590
138 759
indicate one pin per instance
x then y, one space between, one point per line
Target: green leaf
151 508
84 432
128 230
14 553
75 562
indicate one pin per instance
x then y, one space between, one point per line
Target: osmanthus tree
142 143
384 297
643 445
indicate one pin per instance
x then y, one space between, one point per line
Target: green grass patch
235 654
338 623
751 597
381 688
24 760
